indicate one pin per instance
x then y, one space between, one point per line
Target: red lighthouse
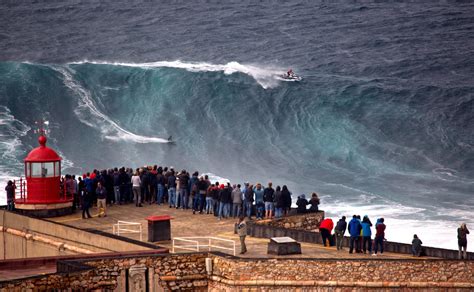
42 195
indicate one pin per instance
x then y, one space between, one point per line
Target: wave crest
266 76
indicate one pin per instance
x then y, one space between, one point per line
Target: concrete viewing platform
185 224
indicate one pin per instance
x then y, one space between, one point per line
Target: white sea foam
11 130
215 178
89 114
266 76
404 221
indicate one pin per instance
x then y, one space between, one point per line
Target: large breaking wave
364 144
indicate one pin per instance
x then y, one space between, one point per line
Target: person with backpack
354 229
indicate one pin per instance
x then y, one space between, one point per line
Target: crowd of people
359 231
181 190
361 240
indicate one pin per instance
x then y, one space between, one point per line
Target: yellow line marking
72 219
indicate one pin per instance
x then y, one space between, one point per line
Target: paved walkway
185 224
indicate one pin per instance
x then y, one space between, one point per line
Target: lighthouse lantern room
42 196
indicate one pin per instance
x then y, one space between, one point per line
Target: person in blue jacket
366 234
354 229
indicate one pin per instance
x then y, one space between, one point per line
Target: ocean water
381 123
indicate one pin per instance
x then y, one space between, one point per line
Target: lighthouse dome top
42 153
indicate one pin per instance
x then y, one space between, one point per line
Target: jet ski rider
290 73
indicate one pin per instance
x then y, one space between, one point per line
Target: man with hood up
354 229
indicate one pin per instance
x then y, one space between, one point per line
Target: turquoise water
380 124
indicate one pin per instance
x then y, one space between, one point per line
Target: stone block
283 246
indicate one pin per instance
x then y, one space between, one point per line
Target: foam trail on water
267 77
11 130
89 114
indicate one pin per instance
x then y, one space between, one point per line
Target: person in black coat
10 189
301 203
339 232
286 195
86 199
314 201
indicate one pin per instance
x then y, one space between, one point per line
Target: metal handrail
196 245
118 228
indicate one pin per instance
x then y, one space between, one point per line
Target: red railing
21 186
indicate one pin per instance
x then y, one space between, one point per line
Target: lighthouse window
43 169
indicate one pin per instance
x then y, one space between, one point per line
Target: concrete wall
22 237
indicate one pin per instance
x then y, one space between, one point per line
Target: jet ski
292 77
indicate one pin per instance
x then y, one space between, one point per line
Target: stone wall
187 272
180 272
308 221
266 274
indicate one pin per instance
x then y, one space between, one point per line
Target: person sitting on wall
314 201
301 203
416 246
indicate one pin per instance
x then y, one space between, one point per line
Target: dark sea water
382 123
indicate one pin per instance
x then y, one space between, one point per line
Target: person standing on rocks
462 241
242 231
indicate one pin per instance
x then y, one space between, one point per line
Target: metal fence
203 243
123 227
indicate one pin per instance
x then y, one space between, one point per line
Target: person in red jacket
325 229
